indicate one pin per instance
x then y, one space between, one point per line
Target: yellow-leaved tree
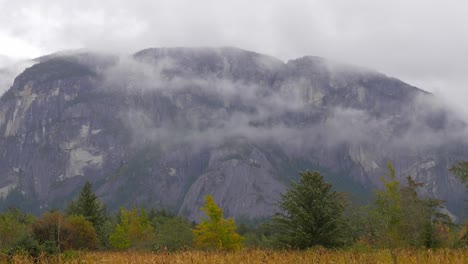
216 233
133 230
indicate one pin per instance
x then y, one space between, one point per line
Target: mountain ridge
164 127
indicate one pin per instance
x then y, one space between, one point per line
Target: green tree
311 214
133 231
119 239
401 218
161 214
174 233
461 171
256 235
14 225
387 212
216 233
88 205
421 217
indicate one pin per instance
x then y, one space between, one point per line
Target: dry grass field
443 256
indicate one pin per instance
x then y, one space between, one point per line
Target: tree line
311 213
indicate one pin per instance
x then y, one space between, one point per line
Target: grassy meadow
442 256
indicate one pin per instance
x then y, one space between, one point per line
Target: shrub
58 233
26 245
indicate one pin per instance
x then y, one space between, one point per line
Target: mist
419 42
9 69
288 113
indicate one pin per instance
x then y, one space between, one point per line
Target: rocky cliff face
165 127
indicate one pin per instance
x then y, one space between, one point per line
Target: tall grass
442 256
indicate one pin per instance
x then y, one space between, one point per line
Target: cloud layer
418 41
288 112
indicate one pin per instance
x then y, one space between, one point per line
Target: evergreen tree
216 233
88 205
311 214
461 171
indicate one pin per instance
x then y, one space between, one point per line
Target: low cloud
419 43
210 108
9 69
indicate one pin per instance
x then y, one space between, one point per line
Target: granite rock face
165 127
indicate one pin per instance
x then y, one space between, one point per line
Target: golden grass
442 256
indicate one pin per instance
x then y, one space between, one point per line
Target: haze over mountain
166 126
420 43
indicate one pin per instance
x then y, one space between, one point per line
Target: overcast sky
423 42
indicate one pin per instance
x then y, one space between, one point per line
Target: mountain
166 126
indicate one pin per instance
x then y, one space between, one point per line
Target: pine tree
461 171
88 205
311 214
